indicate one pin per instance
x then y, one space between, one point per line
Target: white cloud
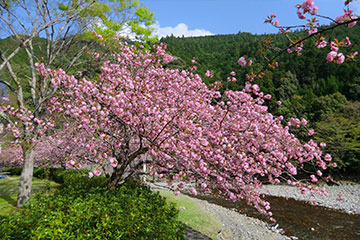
126 32
180 30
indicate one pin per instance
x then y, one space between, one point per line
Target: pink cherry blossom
348 42
352 24
304 122
327 157
313 31
334 47
242 61
193 191
340 58
97 172
331 56
339 19
300 15
313 178
311 132
321 44
113 162
267 96
340 197
315 10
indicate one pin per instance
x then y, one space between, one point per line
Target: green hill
307 85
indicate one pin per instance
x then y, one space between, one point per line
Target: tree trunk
114 180
119 171
25 182
116 176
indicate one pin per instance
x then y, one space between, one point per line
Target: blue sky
205 17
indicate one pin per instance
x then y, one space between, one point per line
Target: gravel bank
350 194
238 226
235 225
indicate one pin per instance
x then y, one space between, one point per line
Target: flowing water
300 219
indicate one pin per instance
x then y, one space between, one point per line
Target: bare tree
49 32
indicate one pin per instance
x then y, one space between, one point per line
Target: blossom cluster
137 110
311 27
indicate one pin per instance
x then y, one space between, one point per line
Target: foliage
88 212
13 171
341 131
326 105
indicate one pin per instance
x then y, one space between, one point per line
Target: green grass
8 192
194 215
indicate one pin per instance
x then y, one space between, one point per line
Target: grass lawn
8 191
194 215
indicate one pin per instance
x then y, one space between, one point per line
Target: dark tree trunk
116 178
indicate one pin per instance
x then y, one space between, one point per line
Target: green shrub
13 171
84 209
57 174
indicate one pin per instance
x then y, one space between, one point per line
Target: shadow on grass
8 199
9 189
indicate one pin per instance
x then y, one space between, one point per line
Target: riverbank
241 227
294 214
344 197
233 225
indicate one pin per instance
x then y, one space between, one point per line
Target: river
300 219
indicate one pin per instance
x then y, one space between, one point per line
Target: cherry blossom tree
186 130
137 111
50 151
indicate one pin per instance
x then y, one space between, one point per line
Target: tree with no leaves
49 32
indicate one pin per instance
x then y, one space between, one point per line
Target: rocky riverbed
235 225
345 197
239 226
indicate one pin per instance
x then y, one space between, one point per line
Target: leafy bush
55 174
340 130
13 171
84 209
58 174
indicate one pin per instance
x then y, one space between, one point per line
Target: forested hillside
326 94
